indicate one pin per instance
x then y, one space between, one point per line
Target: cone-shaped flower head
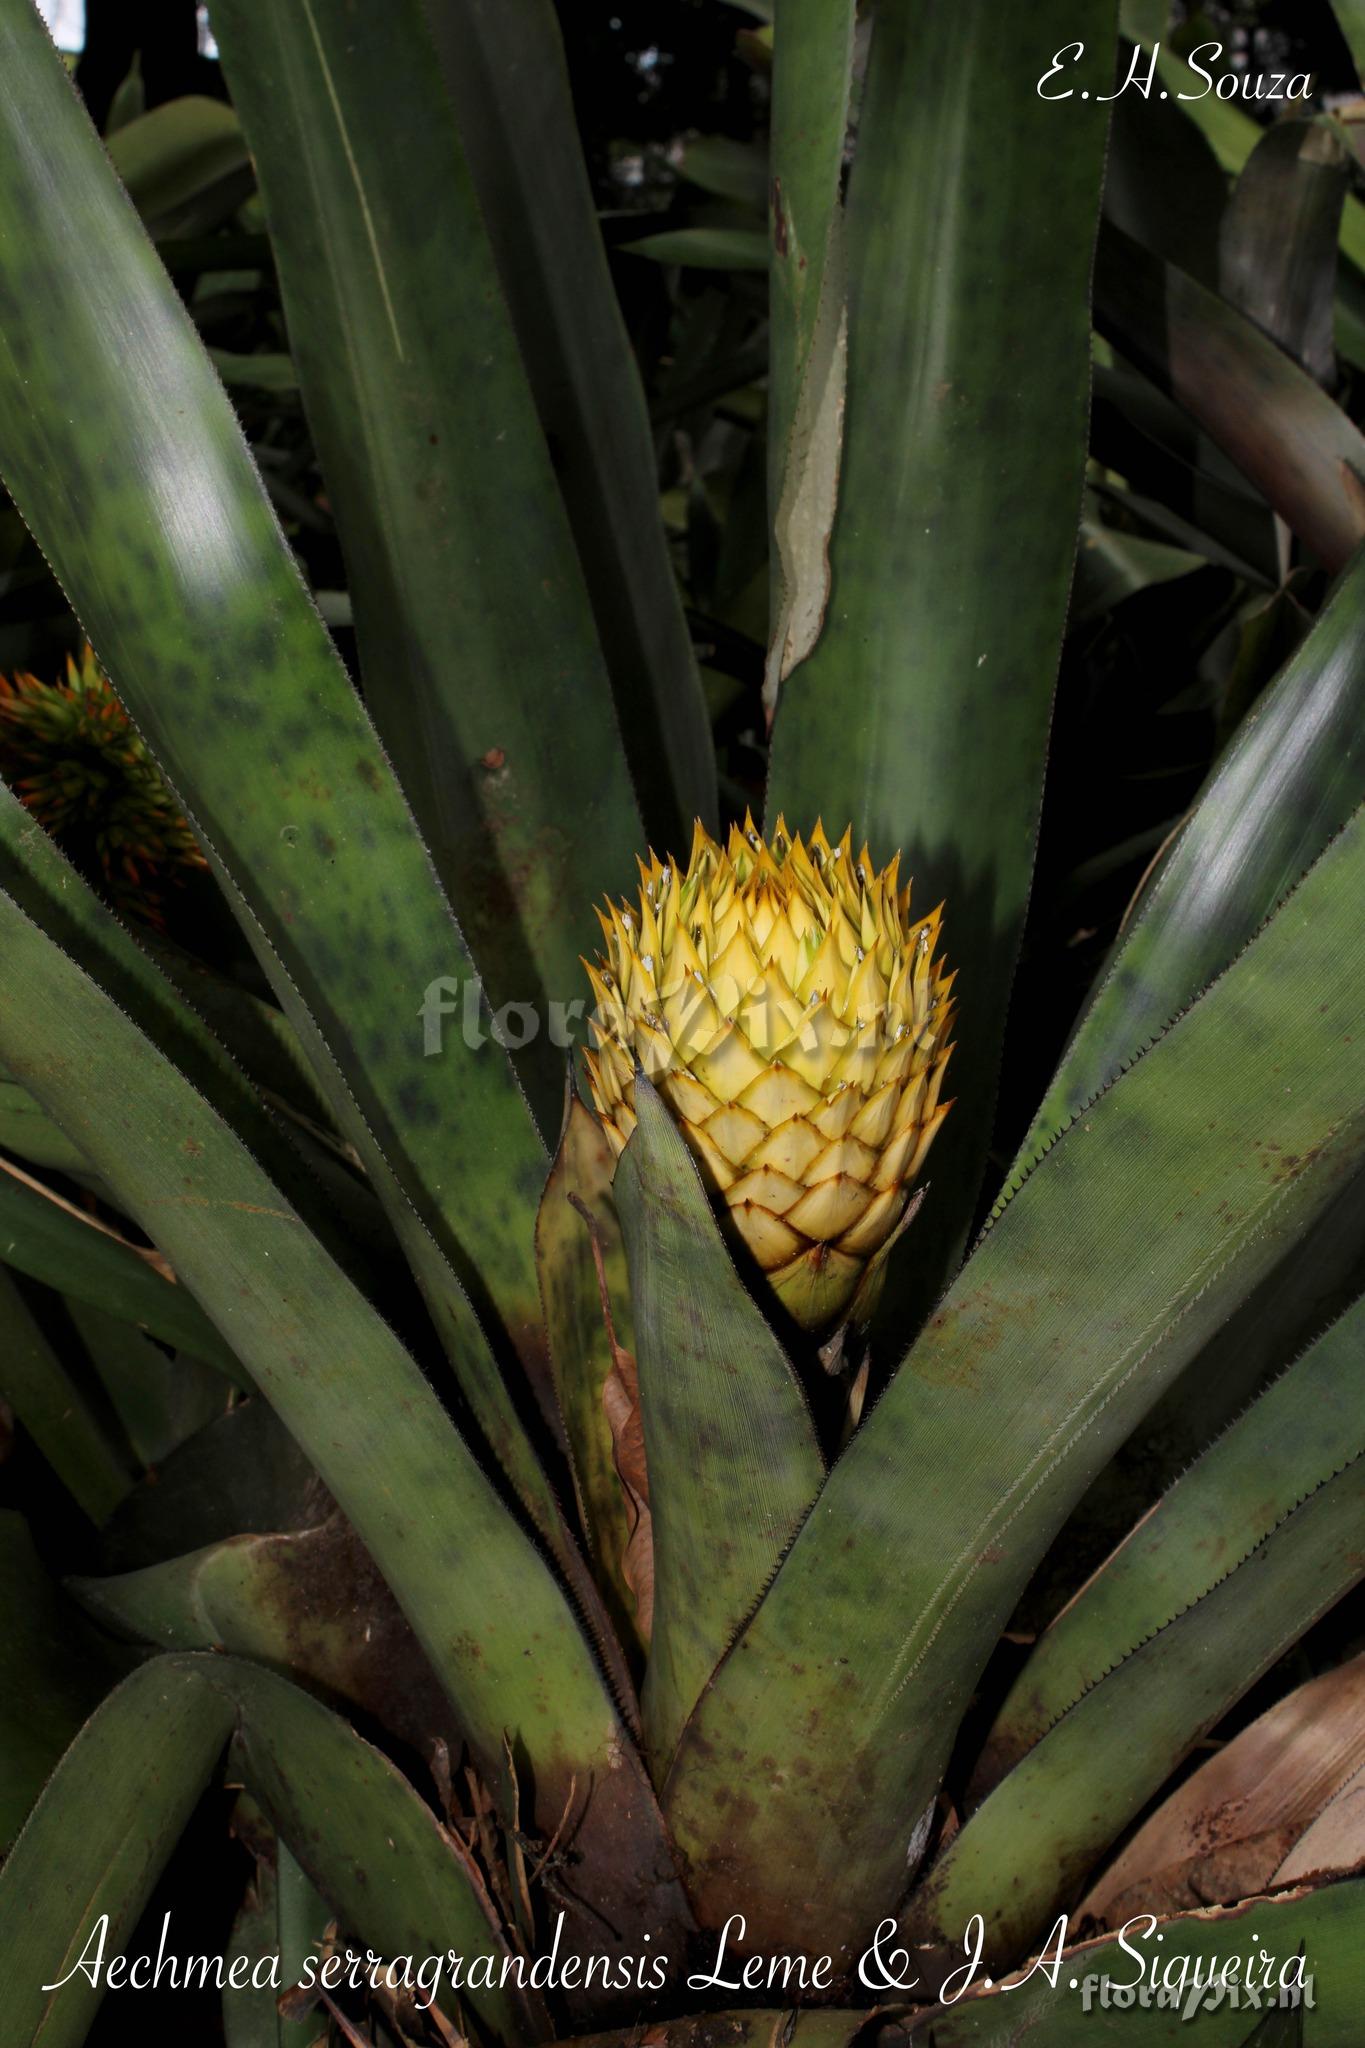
796 1022
72 755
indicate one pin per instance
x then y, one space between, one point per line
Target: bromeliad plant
512 1550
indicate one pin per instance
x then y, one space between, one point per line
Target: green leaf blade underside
364 1837
124 1790
812 69
477 645
159 1401
480 1598
33 1137
54 1669
1277 245
706 248
262 1040
728 169
1267 415
1325 1922
1305 1427
77 1443
283 1915
808 324
294 1600
45 884
97 1839
185 163
504 69
122 451
1033 1840
1290 779
733 1459
1024 1383
922 716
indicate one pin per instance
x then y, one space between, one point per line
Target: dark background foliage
1158 660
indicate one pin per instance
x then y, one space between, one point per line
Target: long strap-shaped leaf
812 68
733 1459
1323 1925
43 882
1291 1439
96 1841
1291 777
118 1800
76 1441
160 1401
505 71
282 1916
121 450
1099 1281
922 716
52 1243
29 1134
500 1635
289 1600
370 1845
1277 244
1023 1852
54 1667
1282 431
477 645
1275 1321
47 887
808 319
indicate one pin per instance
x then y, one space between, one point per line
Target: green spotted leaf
921 717
1290 778
1307 1425
728 1436
429 442
123 454
459 1562
507 77
1026 1380
1024 1850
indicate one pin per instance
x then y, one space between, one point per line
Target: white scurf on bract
796 1023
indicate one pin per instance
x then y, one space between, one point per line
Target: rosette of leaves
440 1482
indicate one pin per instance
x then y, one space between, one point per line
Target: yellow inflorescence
796 1023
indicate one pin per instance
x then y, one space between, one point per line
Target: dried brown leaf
621 1402
621 1406
1336 1840
1247 1818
